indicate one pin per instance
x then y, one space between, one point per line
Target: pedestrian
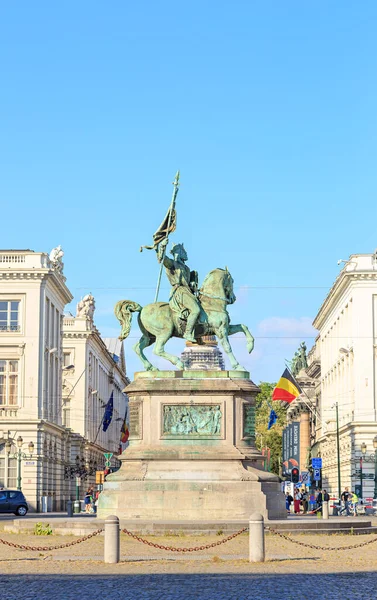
305 502
288 502
326 496
312 502
88 500
319 501
346 498
296 502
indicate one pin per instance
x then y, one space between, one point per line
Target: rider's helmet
180 250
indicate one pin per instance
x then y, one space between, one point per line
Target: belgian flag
124 432
287 389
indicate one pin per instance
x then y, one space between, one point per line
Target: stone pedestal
192 452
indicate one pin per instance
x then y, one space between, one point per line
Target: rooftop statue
299 361
56 258
191 313
86 307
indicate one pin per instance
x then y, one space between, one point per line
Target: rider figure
182 300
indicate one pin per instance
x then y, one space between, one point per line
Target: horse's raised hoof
250 347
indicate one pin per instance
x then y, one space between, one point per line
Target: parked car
13 501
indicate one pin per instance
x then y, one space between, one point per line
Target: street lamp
363 451
19 455
375 466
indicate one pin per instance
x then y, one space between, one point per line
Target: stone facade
98 370
32 300
33 295
346 345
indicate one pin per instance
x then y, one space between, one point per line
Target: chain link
45 548
192 549
314 547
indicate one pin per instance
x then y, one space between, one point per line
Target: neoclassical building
33 296
340 378
347 325
205 356
93 369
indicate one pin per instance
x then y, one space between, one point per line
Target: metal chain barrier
314 547
192 549
45 548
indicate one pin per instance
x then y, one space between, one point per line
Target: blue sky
267 108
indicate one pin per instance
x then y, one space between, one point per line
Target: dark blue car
13 501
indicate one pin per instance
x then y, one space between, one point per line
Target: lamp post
338 450
363 451
80 470
19 455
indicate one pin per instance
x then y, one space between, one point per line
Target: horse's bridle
214 297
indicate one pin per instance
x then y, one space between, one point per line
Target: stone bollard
325 510
112 540
256 538
69 508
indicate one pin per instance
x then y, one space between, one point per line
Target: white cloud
288 327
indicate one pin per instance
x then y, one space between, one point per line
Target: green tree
272 438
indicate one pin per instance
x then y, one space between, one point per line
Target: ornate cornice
23 275
39 275
345 279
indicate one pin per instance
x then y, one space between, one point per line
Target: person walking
305 502
355 501
319 501
88 501
346 497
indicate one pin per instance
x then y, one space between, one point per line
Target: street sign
108 456
317 463
316 474
305 476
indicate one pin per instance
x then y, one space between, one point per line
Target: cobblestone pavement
163 586
148 574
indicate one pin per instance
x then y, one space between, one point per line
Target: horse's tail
123 311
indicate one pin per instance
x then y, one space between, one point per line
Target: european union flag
108 413
272 419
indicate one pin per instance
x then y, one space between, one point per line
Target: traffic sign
305 477
316 474
108 456
317 463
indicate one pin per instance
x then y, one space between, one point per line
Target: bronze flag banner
163 231
169 223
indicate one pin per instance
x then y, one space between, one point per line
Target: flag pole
172 205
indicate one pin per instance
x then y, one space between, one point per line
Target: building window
8 382
67 360
9 315
12 473
67 416
2 465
